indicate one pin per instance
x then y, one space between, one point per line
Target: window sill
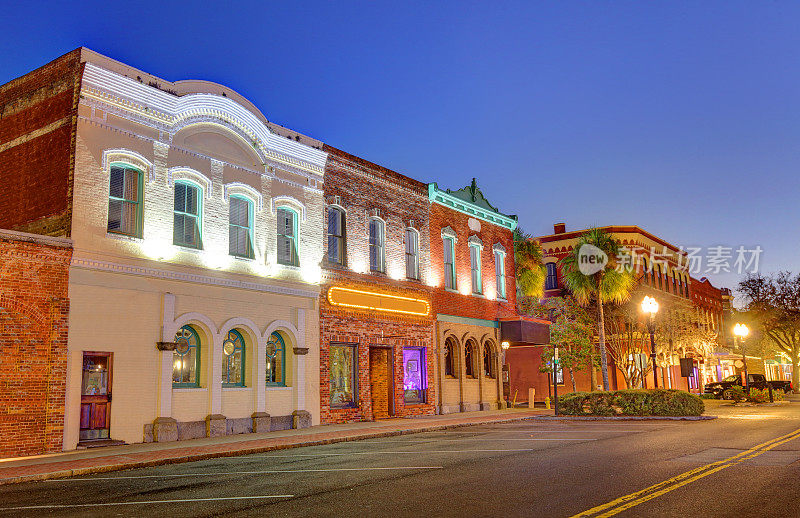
189 389
189 248
290 267
415 404
124 237
235 388
242 258
349 407
452 290
278 387
479 295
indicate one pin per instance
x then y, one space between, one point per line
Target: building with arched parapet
196 226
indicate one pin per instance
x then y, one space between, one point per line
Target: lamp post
650 307
742 331
504 345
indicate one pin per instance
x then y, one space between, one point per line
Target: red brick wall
362 186
450 303
38 118
33 346
370 328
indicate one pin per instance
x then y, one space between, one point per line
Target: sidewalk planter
658 402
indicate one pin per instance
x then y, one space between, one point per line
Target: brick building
376 328
688 306
472 271
34 309
197 227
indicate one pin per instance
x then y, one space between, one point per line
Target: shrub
762 395
736 393
658 402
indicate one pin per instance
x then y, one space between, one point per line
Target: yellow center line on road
626 502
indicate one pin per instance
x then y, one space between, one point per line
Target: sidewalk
114 458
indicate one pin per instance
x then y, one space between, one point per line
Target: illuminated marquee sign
371 300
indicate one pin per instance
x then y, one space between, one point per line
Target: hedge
658 402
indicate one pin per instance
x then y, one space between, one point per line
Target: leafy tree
530 268
609 284
774 303
571 331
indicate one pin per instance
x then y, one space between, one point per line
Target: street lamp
742 331
650 306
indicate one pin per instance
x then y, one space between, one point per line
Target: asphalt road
531 468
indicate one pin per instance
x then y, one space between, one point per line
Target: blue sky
682 118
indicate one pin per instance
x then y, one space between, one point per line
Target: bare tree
773 301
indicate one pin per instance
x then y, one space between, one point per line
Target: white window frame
381 246
413 257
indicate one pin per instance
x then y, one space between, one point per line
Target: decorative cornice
143 271
446 199
170 113
475 241
59 242
449 232
498 247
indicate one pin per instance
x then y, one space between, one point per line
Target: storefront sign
374 301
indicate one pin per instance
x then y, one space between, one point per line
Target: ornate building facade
196 226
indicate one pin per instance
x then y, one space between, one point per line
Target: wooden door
380 383
96 396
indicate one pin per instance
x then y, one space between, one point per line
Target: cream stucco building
194 282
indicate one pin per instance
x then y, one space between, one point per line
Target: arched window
336 231
652 274
489 361
187 221
186 358
377 245
124 200
450 355
287 237
233 360
469 359
660 278
551 281
674 283
686 284
276 360
680 285
240 227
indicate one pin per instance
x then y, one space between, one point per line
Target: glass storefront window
415 379
343 375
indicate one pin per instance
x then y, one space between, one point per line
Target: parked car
723 388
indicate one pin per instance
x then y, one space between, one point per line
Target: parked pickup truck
723 388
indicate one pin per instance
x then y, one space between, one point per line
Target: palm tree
530 268
609 284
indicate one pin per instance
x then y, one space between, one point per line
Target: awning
525 330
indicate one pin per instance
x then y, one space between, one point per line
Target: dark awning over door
525 331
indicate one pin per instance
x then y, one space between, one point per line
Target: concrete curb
179 459
625 418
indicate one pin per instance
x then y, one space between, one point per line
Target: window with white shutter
240 227
124 201
186 220
287 237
